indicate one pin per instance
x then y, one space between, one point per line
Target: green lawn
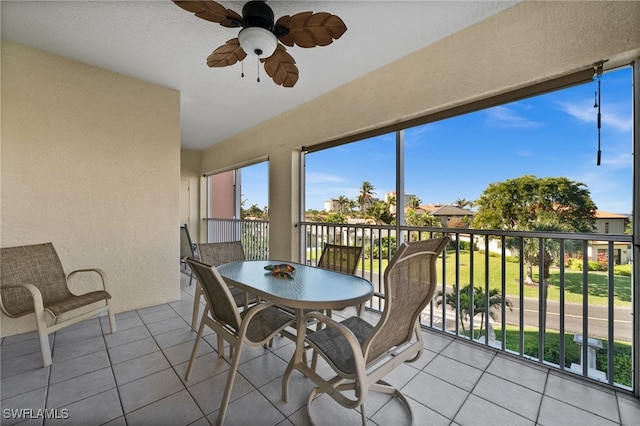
598 281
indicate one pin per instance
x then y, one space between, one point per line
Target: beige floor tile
509 395
557 413
478 411
62 394
79 366
149 389
139 367
176 409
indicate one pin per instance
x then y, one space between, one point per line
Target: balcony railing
254 235
545 290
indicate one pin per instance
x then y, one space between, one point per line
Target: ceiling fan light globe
257 41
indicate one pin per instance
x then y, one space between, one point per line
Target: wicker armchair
361 354
34 282
254 326
216 254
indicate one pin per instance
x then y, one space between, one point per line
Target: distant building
451 216
610 223
392 194
332 205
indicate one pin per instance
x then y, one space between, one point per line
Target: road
598 319
598 324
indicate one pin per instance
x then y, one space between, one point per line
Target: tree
335 218
380 212
479 305
343 203
414 202
253 212
516 204
463 202
365 199
412 218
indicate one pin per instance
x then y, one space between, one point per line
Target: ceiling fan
263 38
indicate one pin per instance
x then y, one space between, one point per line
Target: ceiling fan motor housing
257 14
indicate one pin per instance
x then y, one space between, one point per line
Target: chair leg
235 361
112 319
41 322
221 347
195 346
196 306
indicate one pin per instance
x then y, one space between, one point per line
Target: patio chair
186 248
216 254
34 282
341 258
361 354
254 326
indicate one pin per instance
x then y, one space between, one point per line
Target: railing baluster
378 238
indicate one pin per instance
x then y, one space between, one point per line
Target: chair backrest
409 285
186 248
216 254
223 308
340 258
36 264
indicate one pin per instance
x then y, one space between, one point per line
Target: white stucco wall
90 160
529 43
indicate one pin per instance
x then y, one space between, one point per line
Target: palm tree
391 201
551 249
479 305
366 195
463 202
343 202
414 202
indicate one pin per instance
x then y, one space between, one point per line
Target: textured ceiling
156 41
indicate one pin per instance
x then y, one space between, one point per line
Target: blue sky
548 136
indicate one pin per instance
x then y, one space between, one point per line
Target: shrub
594 265
386 249
624 270
573 263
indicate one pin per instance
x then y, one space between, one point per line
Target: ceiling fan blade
227 54
281 67
308 29
212 11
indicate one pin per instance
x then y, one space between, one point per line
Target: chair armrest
255 309
100 272
38 304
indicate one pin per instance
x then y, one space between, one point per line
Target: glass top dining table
308 288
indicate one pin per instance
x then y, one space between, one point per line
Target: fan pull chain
258 70
242 64
598 104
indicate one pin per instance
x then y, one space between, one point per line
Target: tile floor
136 377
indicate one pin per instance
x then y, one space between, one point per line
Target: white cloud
586 113
502 116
